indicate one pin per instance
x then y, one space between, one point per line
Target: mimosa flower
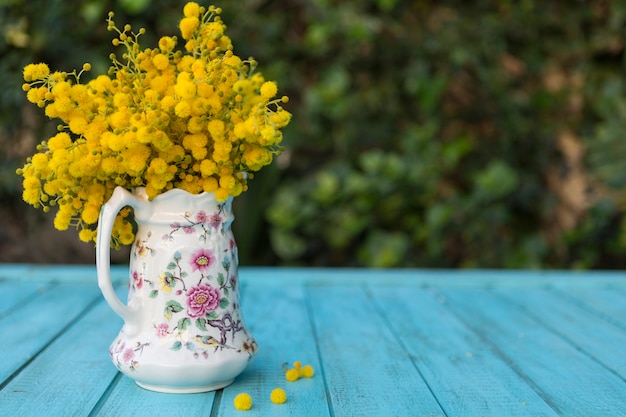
278 396
243 401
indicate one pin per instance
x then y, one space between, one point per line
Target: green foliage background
425 134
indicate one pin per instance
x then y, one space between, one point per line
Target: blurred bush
425 133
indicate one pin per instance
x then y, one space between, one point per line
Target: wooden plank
10 271
70 375
265 276
15 294
432 277
277 318
38 320
466 376
610 303
367 372
586 331
125 398
569 380
59 273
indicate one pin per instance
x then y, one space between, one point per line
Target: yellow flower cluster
298 371
243 400
198 118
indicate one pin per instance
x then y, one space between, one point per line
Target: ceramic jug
183 328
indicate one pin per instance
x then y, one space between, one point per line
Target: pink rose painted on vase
201 299
201 260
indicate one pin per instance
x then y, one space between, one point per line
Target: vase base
184 390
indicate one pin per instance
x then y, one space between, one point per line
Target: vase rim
140 192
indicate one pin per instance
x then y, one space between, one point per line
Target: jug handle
119 199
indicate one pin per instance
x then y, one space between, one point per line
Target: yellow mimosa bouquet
196 118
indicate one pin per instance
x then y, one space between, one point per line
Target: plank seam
498 352
309 310
217 401
590 309
30 298
559 334
104 397
380 312
68 326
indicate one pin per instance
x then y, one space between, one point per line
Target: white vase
183 329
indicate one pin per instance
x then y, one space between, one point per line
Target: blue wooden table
382 343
